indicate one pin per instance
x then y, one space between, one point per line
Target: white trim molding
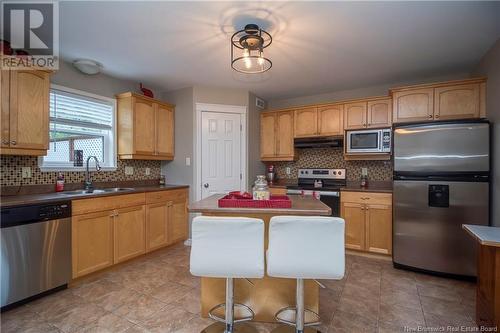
219 108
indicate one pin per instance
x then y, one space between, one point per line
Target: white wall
489 66
361 92
255 166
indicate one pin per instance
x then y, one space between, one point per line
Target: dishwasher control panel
12 216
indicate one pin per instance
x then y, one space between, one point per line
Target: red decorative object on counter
146 92
241 200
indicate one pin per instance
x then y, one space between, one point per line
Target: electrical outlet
288 171
364 171
147 171
129 170
26 172
188 161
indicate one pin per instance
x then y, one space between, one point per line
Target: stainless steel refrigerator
441 181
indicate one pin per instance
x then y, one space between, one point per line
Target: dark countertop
30 199
381 186
373 186
301 205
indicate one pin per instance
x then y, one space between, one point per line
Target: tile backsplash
333 158
10 172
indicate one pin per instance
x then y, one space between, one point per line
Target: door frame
219 108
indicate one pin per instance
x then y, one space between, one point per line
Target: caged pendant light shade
247 50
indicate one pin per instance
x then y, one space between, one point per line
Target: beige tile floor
156 293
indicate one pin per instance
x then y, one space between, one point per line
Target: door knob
206 185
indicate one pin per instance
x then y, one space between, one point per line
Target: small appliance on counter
323 184
271 173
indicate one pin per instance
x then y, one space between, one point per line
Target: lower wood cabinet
92 242
107 231
129 233
368 218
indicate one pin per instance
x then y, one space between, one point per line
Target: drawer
167 195
98 204
366 198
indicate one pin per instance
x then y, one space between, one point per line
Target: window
80 124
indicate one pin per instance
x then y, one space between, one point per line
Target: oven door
364 141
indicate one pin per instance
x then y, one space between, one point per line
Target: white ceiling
317 46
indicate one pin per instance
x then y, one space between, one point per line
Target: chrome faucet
88 180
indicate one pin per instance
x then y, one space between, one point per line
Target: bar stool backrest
227 247
306 247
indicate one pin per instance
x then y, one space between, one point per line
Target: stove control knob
339 173
334 173
307 172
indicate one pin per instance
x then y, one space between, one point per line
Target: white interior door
220 152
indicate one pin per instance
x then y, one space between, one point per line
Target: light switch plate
129 170
288 171
26 172
364 171
147 171
188 161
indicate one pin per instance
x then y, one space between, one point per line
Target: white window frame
111 154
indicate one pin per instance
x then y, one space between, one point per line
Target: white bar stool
304 247
228 247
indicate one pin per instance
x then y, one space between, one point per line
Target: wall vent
260 103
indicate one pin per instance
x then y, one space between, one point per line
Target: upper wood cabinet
456 102
25 112
462 99
331 120
379 113
306 122
355 115
276 133
370 113
145 128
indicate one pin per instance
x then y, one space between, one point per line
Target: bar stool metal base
292 329
221 328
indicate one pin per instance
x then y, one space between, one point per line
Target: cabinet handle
13 142
430 116
5 142
436 116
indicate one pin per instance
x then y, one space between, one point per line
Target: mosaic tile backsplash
333 158
10 172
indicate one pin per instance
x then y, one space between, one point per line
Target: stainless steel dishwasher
35 251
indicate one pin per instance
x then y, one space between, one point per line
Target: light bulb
260 60
248 63
246 53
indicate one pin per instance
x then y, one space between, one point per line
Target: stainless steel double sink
98 191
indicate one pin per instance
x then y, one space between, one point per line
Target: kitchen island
267 295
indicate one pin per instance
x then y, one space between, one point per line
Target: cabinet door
413 105
129 233
284 134
267 135
92 242
164 131
331 120
379 113
178 227
355 115
379 228
354 216
144 127
157 220
456 102
306 122
4 106
29 109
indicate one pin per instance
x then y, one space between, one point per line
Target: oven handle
329 194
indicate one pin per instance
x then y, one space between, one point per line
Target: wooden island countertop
301 205
267 295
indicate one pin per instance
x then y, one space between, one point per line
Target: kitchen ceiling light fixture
247 50
87 66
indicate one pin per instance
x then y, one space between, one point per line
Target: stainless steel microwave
369 141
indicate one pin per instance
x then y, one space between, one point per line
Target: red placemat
276 201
